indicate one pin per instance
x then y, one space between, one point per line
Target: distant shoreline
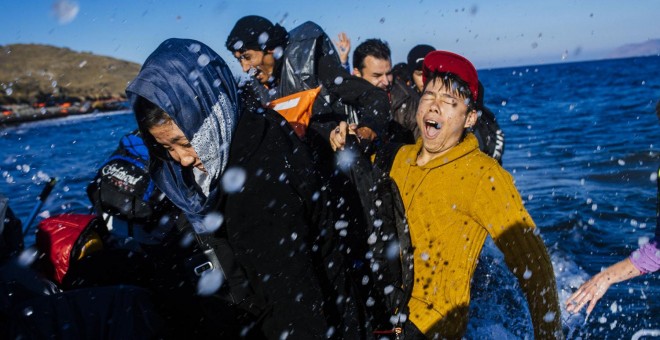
17 114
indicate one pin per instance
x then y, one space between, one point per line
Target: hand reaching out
594 289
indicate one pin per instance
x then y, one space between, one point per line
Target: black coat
283 236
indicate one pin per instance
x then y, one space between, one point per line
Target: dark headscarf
253 32
194 86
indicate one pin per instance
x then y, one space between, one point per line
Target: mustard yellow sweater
452 203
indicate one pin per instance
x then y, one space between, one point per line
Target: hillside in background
647 48
30 72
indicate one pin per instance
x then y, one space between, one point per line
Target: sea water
581 143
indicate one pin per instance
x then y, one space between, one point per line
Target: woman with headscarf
248 188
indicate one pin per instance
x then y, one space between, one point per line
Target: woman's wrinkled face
170 137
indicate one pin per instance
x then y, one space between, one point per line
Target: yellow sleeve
501 212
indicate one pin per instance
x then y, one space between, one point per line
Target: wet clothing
647 257
404 101
11 232
452 204
265 195
323 67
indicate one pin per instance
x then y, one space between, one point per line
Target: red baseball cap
443 61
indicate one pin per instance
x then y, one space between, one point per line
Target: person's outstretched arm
594 289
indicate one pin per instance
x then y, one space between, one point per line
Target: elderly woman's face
170 136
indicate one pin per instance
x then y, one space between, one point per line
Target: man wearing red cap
455 196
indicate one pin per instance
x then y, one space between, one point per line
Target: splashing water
65 11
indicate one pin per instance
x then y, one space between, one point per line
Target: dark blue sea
581 142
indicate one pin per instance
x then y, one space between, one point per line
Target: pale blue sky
490 33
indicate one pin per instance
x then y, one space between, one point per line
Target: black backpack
122 186
388 241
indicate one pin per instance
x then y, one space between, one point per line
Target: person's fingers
338 136
592 304
579 298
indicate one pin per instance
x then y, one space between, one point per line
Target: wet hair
150 113
256 33
400 71
371 47
456 84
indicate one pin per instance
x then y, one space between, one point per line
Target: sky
491 34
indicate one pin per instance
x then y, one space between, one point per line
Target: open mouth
432 128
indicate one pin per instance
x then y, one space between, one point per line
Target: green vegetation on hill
30 73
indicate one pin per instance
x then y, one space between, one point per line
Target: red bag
65 237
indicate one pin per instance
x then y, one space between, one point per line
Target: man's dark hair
400 72
456 84
371 47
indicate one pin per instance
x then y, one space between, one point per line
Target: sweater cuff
646 258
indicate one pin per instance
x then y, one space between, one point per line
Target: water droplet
341 224
9 91
393 251
65 11
194 48
621 162
27 311
27 257
238 45
263 38
278 52
527 274
209 282
233 179
212 222
203 60
339 80
345 158
329 332
514 117
193 75
549 316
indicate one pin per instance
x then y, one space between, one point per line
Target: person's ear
471 119
356 72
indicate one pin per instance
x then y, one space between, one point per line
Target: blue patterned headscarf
194 86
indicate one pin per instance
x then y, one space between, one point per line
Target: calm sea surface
582 142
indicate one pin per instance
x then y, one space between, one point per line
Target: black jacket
283 235
404 101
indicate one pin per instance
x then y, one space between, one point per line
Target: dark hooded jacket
309 59
263 188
